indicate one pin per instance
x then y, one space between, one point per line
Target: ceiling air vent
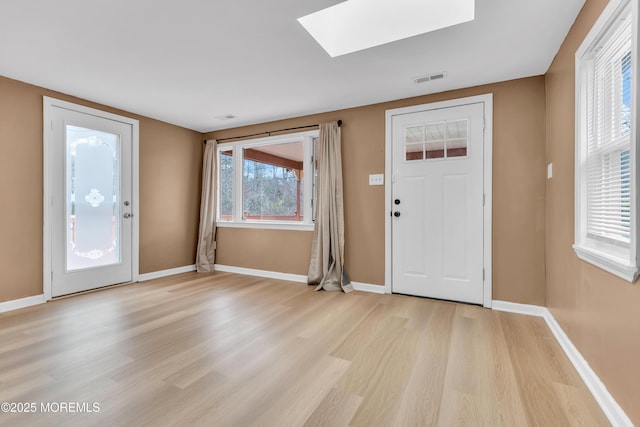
226 117
430 77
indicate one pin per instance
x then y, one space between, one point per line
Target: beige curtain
326 269
205 255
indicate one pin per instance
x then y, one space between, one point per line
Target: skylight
355 25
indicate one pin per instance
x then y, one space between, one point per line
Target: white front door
437 203
90 171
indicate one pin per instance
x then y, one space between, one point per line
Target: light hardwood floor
229 350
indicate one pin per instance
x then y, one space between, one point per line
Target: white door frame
487 99
48 105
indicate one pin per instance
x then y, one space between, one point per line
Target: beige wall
518 194
170 184
599 312
170 163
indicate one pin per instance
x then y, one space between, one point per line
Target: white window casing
237 219
606 210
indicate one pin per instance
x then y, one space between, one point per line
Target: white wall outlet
550 171
376 179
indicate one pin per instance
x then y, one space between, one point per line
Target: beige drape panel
326 269
205 255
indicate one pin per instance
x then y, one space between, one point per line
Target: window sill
614 265
269 225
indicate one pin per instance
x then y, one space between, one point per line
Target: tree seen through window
270 191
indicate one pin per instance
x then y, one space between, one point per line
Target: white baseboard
299 278
513 307
164 273
609 406
367 287
261 273
21 303
363 287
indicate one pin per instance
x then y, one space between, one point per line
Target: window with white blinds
606 142
609 138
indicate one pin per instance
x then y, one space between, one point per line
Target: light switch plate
550 171
376 179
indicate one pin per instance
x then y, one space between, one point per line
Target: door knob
396 201
127 215
396 214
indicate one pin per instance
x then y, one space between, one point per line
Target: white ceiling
187 62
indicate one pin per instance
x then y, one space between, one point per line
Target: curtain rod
268 133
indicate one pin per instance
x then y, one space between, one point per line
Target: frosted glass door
93 196
92 210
